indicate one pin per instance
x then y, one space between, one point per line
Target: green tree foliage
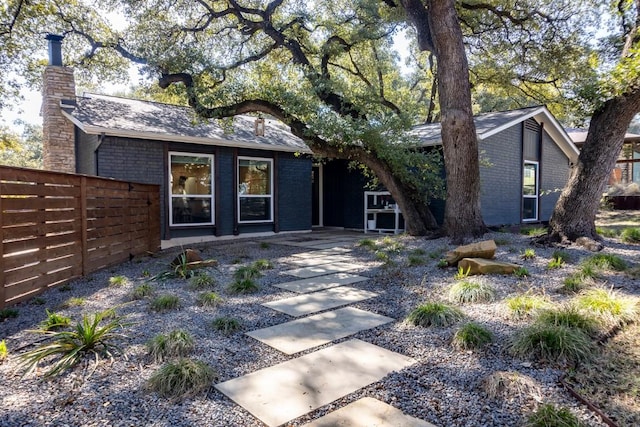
21 150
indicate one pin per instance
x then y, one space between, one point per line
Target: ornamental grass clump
605 262
201 282
177 343
548 415
209 299
182 378
570 317
243 286
262 264
4 352
226 325
608 306
471 336
528 253
247 272
54 321
8 313
524 305
142 291
630 235
467 291
118 281
92 336
509 385
555 343
435 314
163 303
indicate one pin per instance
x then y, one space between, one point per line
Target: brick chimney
57 131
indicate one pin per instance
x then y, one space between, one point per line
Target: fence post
84 225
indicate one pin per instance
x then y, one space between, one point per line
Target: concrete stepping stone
319 301
308 332
323 252
293 388
319 270
368 412
308 262
321 282
328 245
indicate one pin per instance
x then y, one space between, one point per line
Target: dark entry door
315 195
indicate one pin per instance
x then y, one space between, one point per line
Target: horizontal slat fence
55 227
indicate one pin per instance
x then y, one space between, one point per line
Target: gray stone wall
58 143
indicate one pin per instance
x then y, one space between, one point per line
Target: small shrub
367 244
209 299
570 317
142 291
548 415
4 352
201 282
262 264
54 321
73 302
415 260
118 281
630 235
521 272
226 325
181 268
165 303
471 336
8 313
435 314
529 253
552 342
247 272
461 274
522 305
183 378
605 262
89 337
244 286
466 291
177 343
264 245
608 306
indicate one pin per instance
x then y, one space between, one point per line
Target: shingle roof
489 124
98 114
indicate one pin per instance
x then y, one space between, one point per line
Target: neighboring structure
526 159
251 175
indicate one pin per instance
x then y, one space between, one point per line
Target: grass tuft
608 306
630 235
548 415
528 253
142 291
462 274
262 264
570 317
521 272
183 378
201 282
4 352
247 272
118 281
466 291
226 325
435 314
604 262
73 302
414 260
555 343
8 313
243 286
177 343
209 299
524 305
509 384
471 336
164 303
54 321
367 244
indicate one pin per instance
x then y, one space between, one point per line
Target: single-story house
250 175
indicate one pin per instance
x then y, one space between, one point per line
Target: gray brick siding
294 195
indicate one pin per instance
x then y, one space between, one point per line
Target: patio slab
293 388
368 412
319 270
321 282
322 252
329 244
319 301
307 262
308 332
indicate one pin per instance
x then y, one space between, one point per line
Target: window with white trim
191 199
530 191
255 190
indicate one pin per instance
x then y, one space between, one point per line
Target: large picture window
530 191
191 189
255 190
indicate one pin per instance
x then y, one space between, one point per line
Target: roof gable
131 118
489 124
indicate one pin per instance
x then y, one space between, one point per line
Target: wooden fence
55 227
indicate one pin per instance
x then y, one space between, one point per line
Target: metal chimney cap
55 49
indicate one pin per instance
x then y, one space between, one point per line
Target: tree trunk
462 218
575 213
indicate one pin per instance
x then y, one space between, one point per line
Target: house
526 158
251 176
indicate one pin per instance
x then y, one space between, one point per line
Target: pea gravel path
442 388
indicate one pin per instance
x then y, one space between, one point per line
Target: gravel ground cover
444 387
